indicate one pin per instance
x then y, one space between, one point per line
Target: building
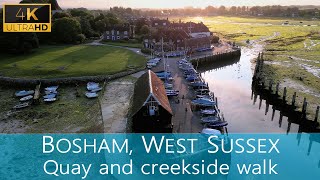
55 6
160 23
151 110
195 30
119 32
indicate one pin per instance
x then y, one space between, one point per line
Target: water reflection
246 111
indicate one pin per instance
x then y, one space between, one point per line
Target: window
164 24
108 37
156 24
118 32
108 32
125 33
118 37
112 32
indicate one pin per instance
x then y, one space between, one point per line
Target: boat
204 99
172 93
24 93
92 85
202 91
26 98
209 119
51 92
49 96
168 85
208 112
151 64
52 88
192 78
209 131
198 84
21 105
217 124
91 95
96 90
199 102
50 100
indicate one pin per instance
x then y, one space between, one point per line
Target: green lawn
70 61
130 45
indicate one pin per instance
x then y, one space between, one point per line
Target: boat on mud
50 96
50 100
92 85
91 95
51 88
22 105
26 98
24 93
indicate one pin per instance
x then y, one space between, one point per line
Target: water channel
231 81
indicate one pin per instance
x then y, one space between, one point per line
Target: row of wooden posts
258 79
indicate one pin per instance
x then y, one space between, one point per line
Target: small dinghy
172 93
52 88
22 105
96 90
200 102
217 124
27 98
49 96
50 100
209 119
209 131
91 95
208 112
92 85
24 93
168 85
51 92
204 99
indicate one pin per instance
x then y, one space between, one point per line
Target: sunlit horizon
169 4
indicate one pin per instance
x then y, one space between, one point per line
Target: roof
149 85
54 5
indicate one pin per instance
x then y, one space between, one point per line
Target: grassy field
129 45
70 61
292 51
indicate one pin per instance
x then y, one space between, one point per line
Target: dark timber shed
151 110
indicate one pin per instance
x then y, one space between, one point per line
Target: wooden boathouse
151 110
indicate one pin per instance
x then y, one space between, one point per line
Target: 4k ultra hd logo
27 18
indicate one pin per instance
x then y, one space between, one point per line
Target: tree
66 30
144 30
59 15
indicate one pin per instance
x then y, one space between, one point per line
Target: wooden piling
294 99
277 88
317 114
304 108
284 94
270 85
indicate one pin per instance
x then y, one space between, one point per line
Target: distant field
70 61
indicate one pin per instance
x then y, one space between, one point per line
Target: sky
104 4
